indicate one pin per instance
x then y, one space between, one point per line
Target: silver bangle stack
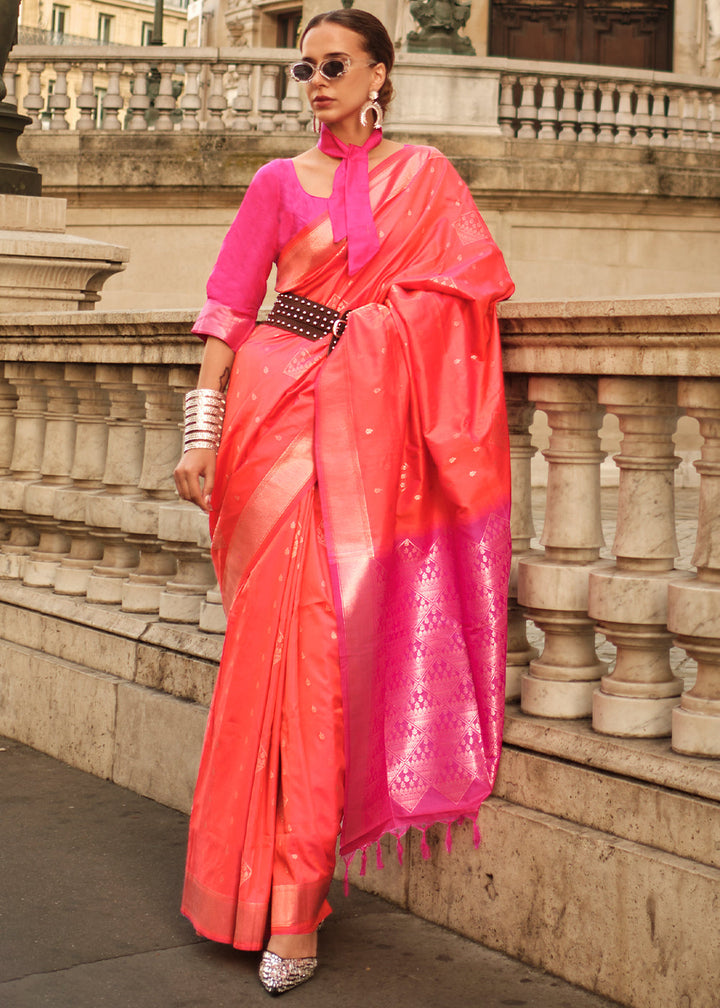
204 414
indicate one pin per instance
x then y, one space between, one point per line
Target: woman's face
338 101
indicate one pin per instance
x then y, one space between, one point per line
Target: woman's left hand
195 476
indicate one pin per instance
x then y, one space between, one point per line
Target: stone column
629 601
123 465
694 605
554 589
184 533
8 404
24 467
520 414
87 470
58 449
140 517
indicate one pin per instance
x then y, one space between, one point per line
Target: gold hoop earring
372 105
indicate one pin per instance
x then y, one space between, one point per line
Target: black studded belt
307 318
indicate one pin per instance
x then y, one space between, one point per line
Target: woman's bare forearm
216 365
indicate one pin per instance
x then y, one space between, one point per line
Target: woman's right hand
195 476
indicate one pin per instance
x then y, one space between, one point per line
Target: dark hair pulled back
376 41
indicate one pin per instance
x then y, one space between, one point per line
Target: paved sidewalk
90 878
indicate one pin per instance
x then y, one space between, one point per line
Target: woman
359 505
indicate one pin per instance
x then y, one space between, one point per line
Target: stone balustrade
601 105
90 415
124 88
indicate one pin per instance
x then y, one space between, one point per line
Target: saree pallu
360 516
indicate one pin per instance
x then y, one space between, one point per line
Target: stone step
618 917
600 860
139 737
171 657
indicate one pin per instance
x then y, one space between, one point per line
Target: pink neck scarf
349 207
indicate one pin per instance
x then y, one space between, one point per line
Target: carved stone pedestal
44 269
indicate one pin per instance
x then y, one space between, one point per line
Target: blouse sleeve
238 282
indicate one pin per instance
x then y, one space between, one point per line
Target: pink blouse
274 209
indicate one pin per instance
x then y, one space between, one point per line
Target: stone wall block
157 745
57 707
572 899
179 675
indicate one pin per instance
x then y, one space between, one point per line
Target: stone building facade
107 22
682 37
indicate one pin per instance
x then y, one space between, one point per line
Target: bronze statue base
16 177
438 39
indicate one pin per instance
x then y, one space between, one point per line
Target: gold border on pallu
269 501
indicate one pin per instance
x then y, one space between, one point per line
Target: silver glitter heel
280 975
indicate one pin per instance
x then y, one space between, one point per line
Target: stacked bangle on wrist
204 414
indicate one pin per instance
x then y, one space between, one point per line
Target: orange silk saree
361 539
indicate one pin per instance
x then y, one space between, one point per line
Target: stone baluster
606 113
548 113
27 453
139 99
212 615
123 465
673 122
113 101
714 111
59 445
643 119
86 100
165 100
554 589
703 133
89 459
629 601
624 118
10 79
694 605
520 414
191 102
568 115
292 107
33 102
184 533
587 116
507 113
140 518
268 103
242 102
658 117
8 405
527 112
689 120
217 102
59 102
